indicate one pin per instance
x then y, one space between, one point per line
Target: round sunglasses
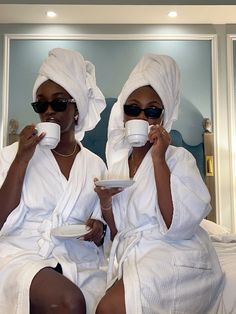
57 105
151 112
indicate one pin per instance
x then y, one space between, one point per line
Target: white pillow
212 228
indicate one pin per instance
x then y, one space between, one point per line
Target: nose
142 116
49 109
48 114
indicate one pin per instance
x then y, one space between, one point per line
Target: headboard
95 140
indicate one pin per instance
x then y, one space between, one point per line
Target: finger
163 132
27 131
35 139
154 133
40 137
92 236
114 191
89 224
165 135
87 236
96 232
30 133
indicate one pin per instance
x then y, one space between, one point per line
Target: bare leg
51 292
114 300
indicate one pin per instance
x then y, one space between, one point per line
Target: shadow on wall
96 139
189 123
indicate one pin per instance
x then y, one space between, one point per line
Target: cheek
155 121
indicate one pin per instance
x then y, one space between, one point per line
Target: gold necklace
69 155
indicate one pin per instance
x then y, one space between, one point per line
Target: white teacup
52 136
136 132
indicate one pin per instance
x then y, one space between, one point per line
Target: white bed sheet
226 252
225 246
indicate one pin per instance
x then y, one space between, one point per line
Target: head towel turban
68 69
162 73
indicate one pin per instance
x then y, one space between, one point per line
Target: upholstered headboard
95 140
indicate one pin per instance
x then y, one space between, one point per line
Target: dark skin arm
10 191
105 196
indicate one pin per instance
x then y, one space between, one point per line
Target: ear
76 116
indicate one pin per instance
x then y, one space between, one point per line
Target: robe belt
46 243
136 234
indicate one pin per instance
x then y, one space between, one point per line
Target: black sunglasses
134 111
57 105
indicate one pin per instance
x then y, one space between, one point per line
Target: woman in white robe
161 260
42 189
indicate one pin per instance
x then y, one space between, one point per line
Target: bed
223 241
225 245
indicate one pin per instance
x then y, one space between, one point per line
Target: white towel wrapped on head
77 76
162 74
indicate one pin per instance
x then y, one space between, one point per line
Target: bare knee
72 302
113 301
108 306
68 303
104 307
59 294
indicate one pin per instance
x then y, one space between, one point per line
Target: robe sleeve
7 155
16 217
190 196
97 213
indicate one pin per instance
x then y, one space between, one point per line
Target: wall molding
232 125
214 60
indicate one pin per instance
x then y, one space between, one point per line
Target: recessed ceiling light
51 14
172 14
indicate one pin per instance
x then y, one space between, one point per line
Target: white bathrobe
50 200
173 270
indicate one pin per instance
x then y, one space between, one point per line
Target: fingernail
35 132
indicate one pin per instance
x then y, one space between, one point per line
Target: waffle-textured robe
165 271
50 200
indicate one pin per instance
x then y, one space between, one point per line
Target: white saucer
69 231
115 183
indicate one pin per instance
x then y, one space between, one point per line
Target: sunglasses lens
40 106
59 105
132 111
154 112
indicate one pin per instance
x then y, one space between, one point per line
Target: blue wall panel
113 60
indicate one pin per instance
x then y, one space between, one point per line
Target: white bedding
225 246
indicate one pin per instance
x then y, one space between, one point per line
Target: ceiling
109 12
123 2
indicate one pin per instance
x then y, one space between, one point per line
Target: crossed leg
51 292
114 300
